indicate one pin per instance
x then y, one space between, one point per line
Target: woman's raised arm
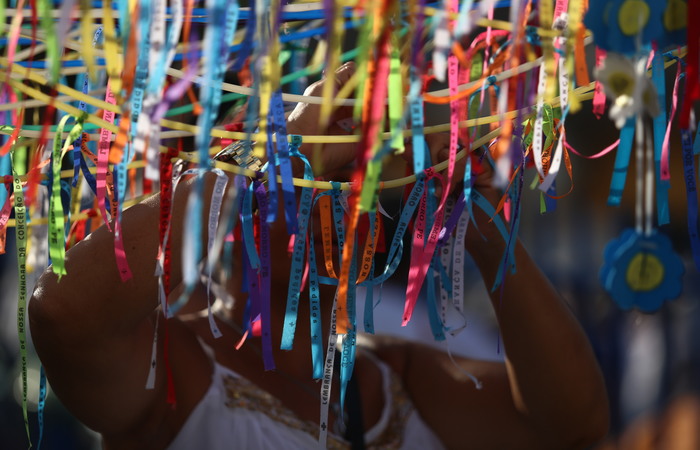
549 393
93 332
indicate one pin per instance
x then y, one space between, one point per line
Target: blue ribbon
338 220
41 405
288 195
265 276
550 203
396 248
416 107
247 231
246 46
660 122
692 198
124 22
489 210
77 154
315 307
89 177
508 260
290 317
436 325
141 74
622 159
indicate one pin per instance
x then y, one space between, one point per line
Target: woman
94 335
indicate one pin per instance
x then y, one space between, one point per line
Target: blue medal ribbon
436 325
77 155
89 177
248 40
416 107
124 22
250 280
489 210
467 183
297 269
41 405
141 74
265 276
550 203
622 159
252 283
247 232
660 122
288 195
508 260
338 220
396 248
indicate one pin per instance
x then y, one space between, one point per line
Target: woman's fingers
307 116
306 119
439 145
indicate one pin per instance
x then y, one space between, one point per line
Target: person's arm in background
550 392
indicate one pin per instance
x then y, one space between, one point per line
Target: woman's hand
438 145
484 236
305 120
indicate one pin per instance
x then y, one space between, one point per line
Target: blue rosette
642 271
674 20
630 26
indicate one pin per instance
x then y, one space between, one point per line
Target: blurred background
651 362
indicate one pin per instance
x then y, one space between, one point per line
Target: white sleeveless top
236 414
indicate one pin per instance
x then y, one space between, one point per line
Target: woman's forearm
555 379
92 292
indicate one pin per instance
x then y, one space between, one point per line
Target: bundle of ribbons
95 96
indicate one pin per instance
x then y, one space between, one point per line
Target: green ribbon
3 16
53 54
477 68
21 242
57 232
395 95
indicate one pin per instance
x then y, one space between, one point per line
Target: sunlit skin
94 334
